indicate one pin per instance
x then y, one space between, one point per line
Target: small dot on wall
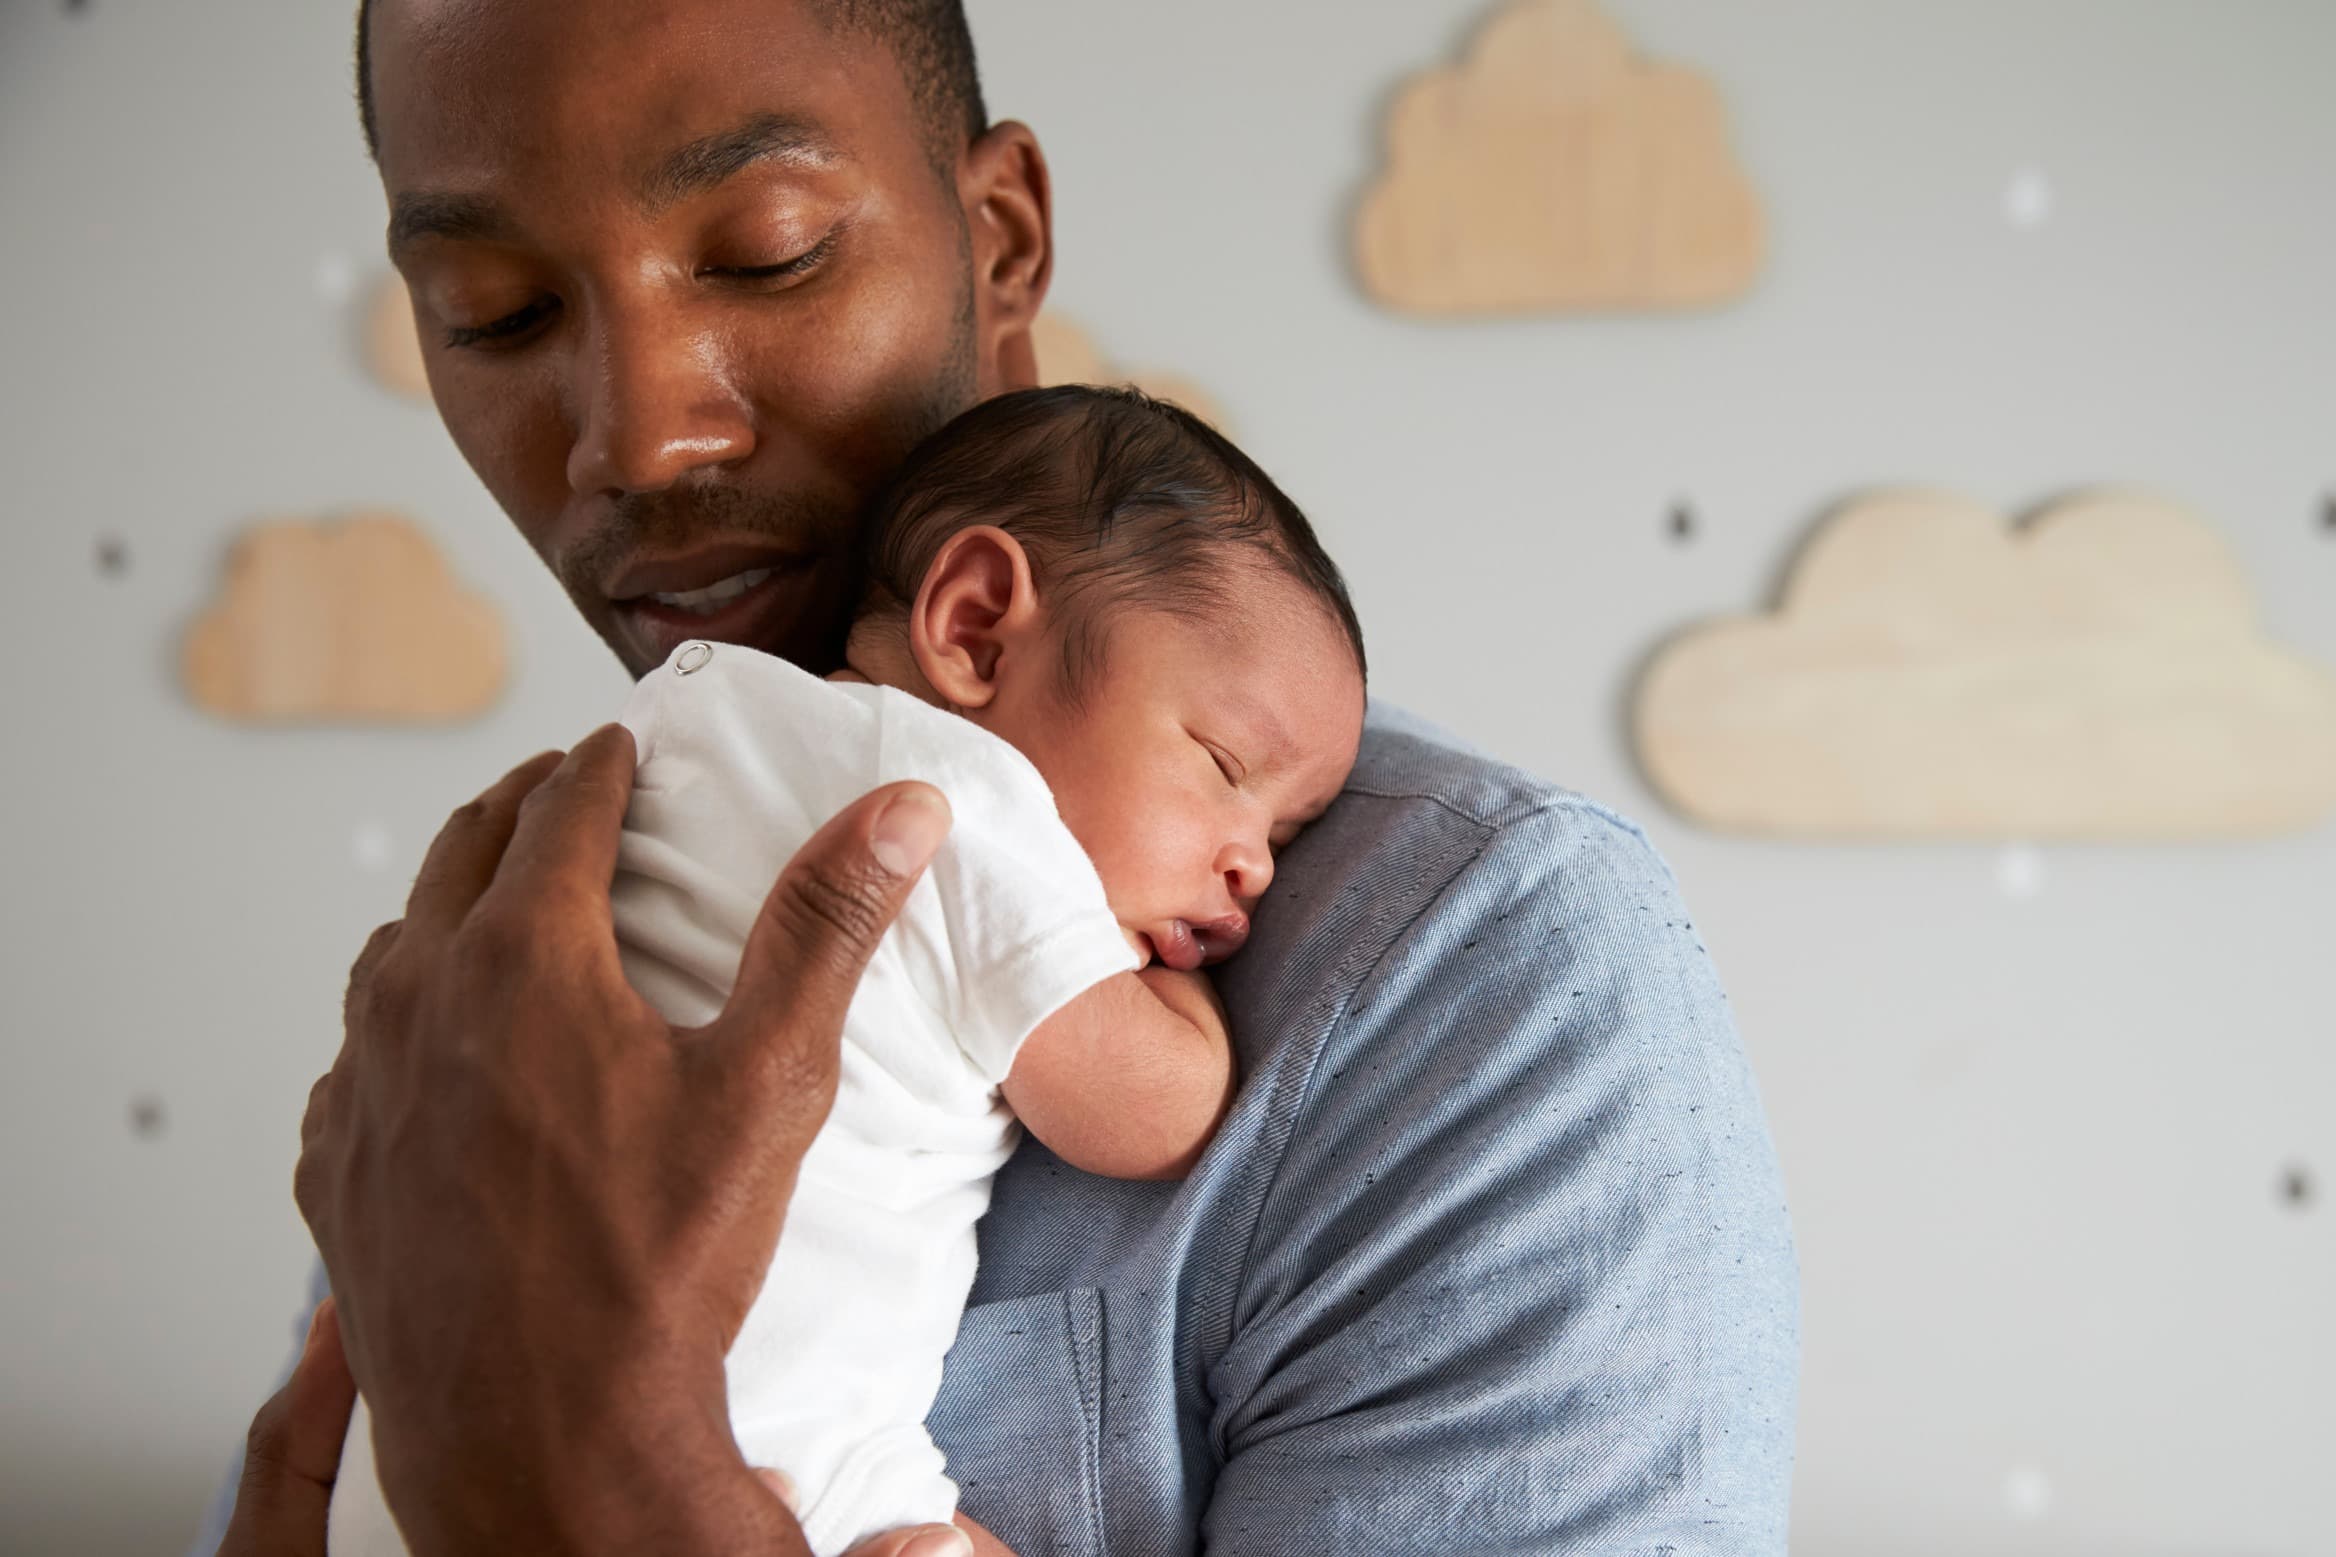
2328 513
2019 871
148 1118
371 847
1682 525
2027 1493
113 556
2296 1190
335 277
2027 199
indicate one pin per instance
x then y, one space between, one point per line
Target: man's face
689 285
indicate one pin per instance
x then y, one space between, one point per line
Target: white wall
2055 1302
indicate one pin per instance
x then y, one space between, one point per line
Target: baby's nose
1247 874
1221 938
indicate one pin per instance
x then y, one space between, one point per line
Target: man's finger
563 847
781 1484
830 907
323 1394
917 1541
368 963
294 1452
463 857
316 1119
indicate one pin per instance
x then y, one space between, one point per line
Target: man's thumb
829 909
293 1453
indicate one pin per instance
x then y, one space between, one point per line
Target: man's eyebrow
688 170
702 164
414 217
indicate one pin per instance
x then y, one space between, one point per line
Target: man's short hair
929 40
1119 499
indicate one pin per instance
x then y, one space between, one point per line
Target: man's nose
654 403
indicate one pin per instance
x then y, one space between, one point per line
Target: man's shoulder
1528 930
1447 887
1531 1092
1524 833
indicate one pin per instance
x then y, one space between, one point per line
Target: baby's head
1110 585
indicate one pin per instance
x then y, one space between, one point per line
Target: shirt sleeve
1524 1281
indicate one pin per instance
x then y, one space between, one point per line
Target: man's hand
294 1451
544 1211
293 1456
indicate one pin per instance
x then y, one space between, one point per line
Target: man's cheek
874 345
519 450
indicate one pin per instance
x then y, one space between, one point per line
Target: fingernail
940 1541
909 830
782 1484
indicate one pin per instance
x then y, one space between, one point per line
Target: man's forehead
462 23
635 84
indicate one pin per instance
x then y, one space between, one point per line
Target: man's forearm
668 1482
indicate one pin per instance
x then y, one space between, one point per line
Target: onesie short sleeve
1028 928
743 756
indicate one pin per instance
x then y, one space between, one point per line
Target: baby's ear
977 609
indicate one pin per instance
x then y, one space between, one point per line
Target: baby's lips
1221 938
1177 947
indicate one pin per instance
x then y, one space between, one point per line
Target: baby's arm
1131 1079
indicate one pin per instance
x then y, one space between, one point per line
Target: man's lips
700 569
764 614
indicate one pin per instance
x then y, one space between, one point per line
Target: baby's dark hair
1114 495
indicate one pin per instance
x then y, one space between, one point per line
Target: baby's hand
1190 995
964 1539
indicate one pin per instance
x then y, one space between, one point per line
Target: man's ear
977 608
1009 216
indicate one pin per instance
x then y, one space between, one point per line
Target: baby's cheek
1127 857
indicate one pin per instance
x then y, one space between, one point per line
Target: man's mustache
667 523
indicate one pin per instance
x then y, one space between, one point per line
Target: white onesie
742 758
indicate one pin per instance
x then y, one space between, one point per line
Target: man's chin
791 614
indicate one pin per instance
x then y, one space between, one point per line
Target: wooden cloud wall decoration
353 621
2098 673
1554 169
1068 355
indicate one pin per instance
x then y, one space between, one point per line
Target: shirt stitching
1489 832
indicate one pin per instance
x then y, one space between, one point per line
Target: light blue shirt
1490 1257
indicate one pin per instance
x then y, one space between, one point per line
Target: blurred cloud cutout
1555 169
353 621
2099 673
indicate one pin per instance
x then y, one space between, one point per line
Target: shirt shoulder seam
1551 798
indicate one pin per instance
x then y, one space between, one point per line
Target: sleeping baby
1116 646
